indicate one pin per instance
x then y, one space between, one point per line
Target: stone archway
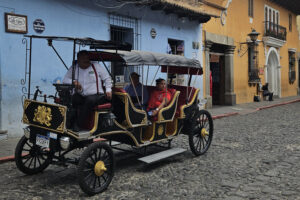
272 74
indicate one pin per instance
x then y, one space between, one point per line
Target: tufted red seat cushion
103 106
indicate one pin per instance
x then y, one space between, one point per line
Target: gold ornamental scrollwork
160 130
60 127
62 110
26 104
25 119
43 115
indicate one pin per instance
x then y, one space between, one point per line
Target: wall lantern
253 35
242 50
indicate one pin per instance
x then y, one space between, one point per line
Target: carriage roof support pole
29 77
193 83
73 62
187 96
167 79
137 97
155 75
147 75
143 84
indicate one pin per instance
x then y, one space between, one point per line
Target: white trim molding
276 68
294 50
273 42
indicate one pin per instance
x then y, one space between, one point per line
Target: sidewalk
8 145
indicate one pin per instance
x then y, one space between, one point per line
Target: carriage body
50 139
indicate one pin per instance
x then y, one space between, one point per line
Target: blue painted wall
74 18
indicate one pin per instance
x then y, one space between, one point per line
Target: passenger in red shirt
159 98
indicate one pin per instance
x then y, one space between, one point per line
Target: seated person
159 98
137 94
89 90
266 92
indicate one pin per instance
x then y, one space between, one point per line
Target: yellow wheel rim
100 168
204 132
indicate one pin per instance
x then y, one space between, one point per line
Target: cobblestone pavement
254 156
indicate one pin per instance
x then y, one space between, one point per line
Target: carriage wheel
96 168
201 136
31 158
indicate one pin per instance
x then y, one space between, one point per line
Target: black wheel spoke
99 155
95 156
30 162
27 159
26 150
34 165
105 179
39 160
91 157
198 143
95 181
88 176
99 181
28 144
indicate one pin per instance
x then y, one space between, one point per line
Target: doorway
273 73
217 78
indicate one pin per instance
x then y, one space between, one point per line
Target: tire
30 158
90 180
201 134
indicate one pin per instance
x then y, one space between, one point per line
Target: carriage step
161 155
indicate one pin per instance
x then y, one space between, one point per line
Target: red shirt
157 97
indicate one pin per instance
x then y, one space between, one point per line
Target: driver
88 87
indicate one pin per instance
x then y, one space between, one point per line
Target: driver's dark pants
85 104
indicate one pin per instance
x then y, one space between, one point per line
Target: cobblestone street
252 156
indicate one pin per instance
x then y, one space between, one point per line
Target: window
124 29
250 8
292 71
272 21
253 63
176 47
290 22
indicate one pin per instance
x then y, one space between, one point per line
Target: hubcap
100 168
204 132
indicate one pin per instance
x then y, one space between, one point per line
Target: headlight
27 132
64 142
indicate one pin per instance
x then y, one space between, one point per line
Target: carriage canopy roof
135 57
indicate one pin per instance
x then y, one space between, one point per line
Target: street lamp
253 35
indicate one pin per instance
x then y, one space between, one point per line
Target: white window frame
272 9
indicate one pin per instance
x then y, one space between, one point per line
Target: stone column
230 96
207 47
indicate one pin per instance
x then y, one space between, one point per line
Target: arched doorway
273 72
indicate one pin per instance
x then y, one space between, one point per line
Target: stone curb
11 158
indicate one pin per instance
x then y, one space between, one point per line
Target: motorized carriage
48 139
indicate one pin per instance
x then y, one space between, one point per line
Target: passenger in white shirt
88 86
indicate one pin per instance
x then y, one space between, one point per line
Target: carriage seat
182 100
168 108
102 106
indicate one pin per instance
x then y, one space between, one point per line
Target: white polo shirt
87 79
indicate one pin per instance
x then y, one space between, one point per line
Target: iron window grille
124 29
292 71
275 30
253 70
